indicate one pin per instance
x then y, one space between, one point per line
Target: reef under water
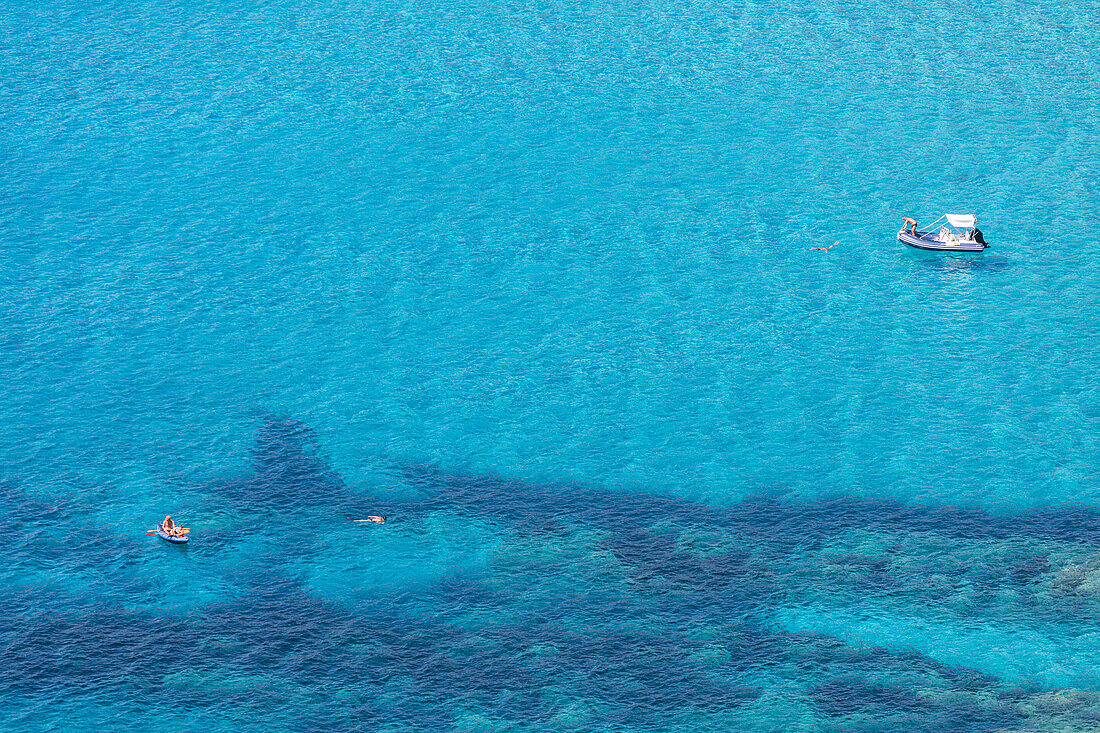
488 603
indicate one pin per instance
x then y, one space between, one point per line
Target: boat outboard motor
978 236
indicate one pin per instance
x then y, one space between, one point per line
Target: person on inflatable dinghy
171 528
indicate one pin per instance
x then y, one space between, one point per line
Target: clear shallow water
271 266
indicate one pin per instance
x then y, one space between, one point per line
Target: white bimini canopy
962 221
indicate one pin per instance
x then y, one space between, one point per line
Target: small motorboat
958 233
180 539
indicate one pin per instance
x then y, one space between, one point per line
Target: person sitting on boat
168 525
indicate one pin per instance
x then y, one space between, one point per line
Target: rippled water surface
535 281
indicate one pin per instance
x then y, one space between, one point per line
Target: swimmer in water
826 249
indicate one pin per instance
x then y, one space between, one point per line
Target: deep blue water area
537 281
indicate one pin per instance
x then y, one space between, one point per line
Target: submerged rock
1066 711
1080 578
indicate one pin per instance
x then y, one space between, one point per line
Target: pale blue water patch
1018 654
355 562
633 226
536 281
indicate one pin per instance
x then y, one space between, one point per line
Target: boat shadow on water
956 263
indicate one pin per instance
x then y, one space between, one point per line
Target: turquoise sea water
535 280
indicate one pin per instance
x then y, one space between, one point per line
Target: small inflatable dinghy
178 539
960 233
